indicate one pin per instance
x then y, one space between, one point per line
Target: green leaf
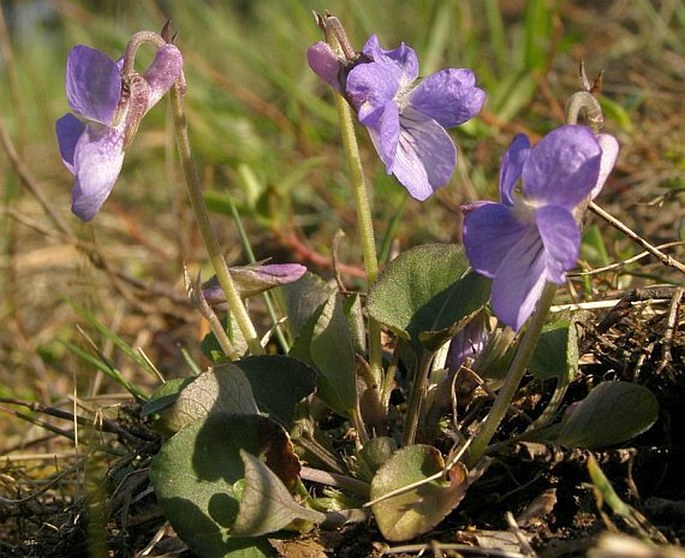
416 511
303 299
165 395
493 362
427 294
326 343
278 383
266 505
556 352
374 454
355 317
222 388
613 412
195 475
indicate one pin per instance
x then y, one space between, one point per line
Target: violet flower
406 122
532 237
108 109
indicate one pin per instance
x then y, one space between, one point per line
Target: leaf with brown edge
417 510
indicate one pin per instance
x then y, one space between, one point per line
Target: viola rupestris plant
240 437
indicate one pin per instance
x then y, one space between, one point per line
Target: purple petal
371 87
403 57
93 84
609 146
563 168
385 135
68 130
425 156
97 160
163 72
512 167
519 281
561 238
449 97
491 230
324 62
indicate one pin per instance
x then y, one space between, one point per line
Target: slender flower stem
194 290
134 43
194 190
584 102
365 222
368 242
418 388
513 377
197 204
245 241
320 476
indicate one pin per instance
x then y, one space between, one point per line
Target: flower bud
251 280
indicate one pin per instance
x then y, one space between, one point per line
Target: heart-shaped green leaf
196 472
556 352
355 317
265 504
303 298
416 511
326 344
612 413
165 395
222 388
427 294
278 383
374 454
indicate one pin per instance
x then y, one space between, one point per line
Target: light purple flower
92 142
406 122
532 236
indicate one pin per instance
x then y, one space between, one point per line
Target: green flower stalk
197 204
338 41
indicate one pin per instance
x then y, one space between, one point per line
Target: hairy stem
245 241
197 204
418 392
513 378
585 103
136 42
365 222
195 294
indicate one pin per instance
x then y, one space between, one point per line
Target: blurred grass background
264 130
